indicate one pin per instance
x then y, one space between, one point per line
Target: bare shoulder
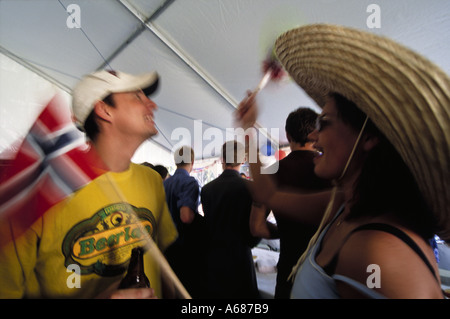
388 265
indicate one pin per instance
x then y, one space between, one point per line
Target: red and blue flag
53 162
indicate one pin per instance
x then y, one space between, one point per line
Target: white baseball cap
98 85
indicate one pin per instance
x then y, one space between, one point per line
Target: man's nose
150 103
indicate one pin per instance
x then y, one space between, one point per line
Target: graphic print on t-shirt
102 244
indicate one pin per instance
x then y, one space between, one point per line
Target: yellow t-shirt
91 233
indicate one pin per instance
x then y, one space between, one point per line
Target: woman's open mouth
318 153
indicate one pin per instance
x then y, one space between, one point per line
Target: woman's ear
101 109
369 142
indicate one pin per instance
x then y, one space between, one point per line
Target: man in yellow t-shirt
81 247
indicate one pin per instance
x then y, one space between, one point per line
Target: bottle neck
136 261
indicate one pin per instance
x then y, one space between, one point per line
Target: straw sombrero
405 95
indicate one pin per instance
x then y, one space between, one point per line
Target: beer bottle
135 277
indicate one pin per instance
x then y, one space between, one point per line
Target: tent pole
141 29
181 55
178 52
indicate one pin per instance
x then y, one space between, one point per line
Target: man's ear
370 141
101 109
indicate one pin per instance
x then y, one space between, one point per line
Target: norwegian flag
52 163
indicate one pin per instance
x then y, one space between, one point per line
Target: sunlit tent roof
207 52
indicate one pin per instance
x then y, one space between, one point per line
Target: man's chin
152 133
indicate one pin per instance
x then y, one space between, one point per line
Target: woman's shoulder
381 258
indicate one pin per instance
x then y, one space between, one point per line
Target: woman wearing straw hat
383 138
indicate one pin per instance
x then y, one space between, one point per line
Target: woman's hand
247 111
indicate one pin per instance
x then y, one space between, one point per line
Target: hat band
354 149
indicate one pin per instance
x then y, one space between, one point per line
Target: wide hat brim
405 95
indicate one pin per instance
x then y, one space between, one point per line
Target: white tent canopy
207 52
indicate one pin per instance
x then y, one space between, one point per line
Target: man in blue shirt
185 256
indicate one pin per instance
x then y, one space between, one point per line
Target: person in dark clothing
227 204
163 171
296 173
186 254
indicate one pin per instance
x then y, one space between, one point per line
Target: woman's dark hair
386 185
90 125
